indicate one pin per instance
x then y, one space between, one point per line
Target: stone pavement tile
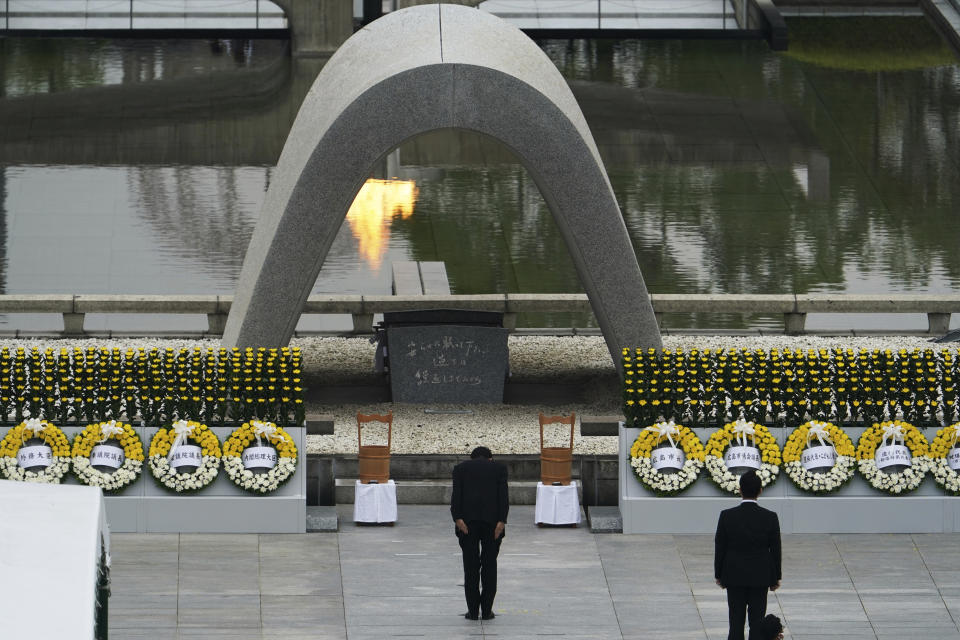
316 633
130 610
376 633
142 634
896 609
226 634
665 635
301 612
917 631
826 605
214 613
130 544
837 628
212 578
301 564
144 580
219 542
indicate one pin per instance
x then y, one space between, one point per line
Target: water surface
138 166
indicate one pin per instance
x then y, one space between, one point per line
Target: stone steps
425 479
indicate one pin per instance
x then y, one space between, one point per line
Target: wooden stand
374 460
556 463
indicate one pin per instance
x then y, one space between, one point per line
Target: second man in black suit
747 558
479 508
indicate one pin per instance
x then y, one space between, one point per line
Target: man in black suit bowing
479 508
747 558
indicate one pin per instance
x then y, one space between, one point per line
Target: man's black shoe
489 615
471 616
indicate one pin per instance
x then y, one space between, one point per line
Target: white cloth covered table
52 537
375 502
557 505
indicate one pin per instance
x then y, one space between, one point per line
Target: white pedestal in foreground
375 503
557 505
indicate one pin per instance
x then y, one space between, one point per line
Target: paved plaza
405 582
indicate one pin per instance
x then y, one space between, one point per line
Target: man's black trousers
480 552
740 601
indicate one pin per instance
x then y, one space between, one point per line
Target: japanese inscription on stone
446 363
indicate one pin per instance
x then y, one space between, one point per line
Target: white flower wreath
285 466
826 434
98 433
743 431
51 435
165 444
897 432
680 437
941 448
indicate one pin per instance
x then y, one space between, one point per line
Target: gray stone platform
405 581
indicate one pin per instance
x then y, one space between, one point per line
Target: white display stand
220 507
557 504
375 503
856 508
53 536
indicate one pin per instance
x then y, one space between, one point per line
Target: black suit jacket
747 547
479 491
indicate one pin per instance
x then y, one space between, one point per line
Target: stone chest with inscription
446 362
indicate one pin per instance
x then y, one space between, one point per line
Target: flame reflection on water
377 204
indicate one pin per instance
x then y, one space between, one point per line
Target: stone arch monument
410 72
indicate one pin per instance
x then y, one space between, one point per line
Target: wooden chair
556 463
374 459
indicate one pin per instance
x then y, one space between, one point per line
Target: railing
73 308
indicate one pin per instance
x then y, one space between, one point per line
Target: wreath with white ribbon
15 454
743 433
265 434
944 450
183 442
898 433
821 445
99 433
685 449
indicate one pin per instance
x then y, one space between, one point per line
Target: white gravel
504 428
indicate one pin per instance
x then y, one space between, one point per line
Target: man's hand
776 586
461 526
498 531
719 584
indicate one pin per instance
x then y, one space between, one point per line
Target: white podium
375 503
557 505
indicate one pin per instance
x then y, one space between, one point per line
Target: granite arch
413 71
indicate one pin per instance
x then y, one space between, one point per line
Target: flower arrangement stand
855 508
221 507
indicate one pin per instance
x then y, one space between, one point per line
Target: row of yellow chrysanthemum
152 385
827 383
